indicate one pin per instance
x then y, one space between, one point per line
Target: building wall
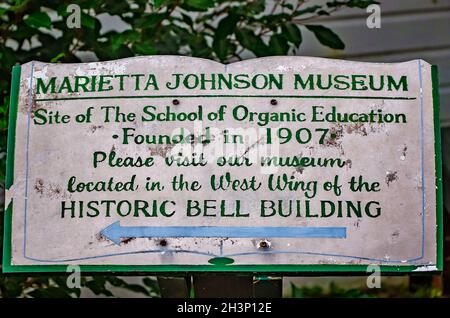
410 29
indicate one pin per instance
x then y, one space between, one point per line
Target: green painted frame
180 269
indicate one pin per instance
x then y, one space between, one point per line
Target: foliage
56 286
223 30
334 291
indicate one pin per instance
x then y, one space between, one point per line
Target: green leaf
39 20
157 3
278 45
227 25
200 4
322 12
287 6
252 42
222 48
255 7
116 41
119 39
144 48
49 292
311 9
13 286
292 33
57 57
149 20
326 36
151 283
221 45
187 19
97 286
116 281
361 4
62 284
88 21
199 46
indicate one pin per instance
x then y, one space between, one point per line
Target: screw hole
163 242
264 244
176 102
273 102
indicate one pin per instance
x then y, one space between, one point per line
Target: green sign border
8 267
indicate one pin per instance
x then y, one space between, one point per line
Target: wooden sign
281 164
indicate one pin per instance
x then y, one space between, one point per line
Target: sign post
178 164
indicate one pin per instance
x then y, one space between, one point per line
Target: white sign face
162 161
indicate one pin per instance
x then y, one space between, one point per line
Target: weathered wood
174 287
223 286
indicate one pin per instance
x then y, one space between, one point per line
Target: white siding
410 29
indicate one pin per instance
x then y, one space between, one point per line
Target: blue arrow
115 231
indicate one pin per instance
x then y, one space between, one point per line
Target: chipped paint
376 195
426 268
